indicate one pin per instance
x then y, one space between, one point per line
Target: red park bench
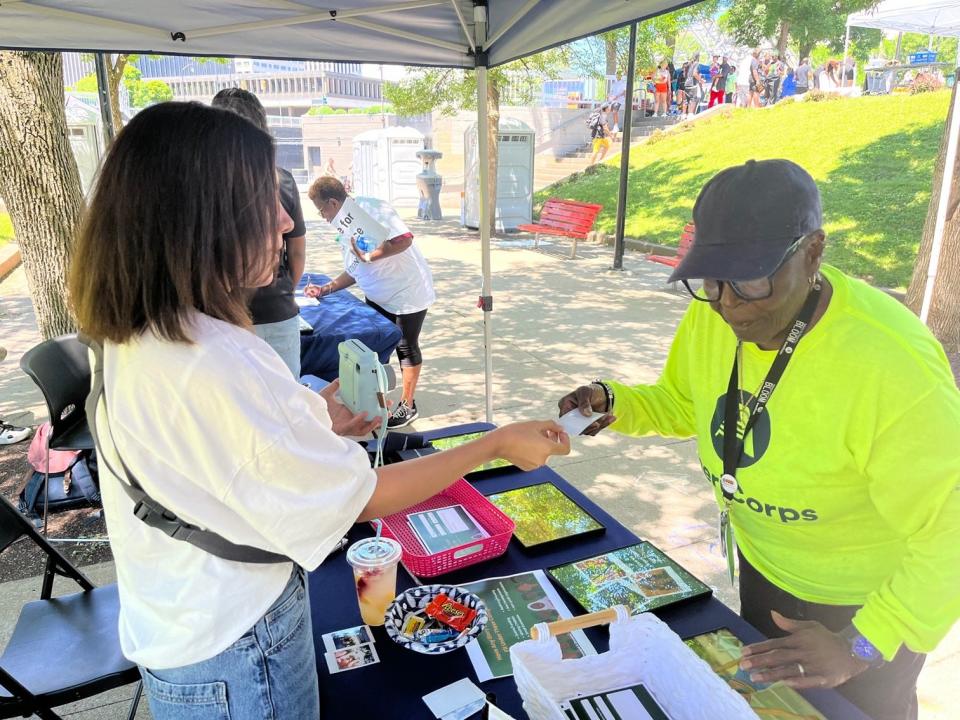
566 218
686 240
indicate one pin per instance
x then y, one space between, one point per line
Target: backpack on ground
73 481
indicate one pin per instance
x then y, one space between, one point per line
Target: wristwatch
860 647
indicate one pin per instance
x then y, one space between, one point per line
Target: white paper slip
454 697
304 301
575 422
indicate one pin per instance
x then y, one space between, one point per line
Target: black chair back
61 369
13 526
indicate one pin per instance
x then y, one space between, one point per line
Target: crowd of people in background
759 79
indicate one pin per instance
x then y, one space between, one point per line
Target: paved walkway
557 323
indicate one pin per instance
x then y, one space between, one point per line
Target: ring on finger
800 667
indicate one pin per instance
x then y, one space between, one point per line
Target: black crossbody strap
146 508
733 443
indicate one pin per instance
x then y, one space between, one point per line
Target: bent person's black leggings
408 350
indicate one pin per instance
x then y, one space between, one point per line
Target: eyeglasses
710 290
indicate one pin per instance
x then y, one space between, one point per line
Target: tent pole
103 93
625 149
486 293
946 184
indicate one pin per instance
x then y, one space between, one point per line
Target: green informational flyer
542 514
722 651
515 604
639 576
457 440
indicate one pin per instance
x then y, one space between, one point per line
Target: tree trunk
784 38
805 49
115 70
39 181
610 50
944 317
493 137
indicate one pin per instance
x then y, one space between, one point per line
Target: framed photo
544 515
457 440
639 576
722 651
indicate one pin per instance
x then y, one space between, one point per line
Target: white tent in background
447 33
928 17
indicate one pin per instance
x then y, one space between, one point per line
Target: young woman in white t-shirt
184 220
395 279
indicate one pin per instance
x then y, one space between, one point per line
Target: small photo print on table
351 658
351 637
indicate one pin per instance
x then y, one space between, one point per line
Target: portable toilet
83 132
385 165
514 175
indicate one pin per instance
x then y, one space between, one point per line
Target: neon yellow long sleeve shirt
850 480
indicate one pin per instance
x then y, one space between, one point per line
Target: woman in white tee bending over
395 280
184 222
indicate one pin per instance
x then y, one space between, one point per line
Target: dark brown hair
327 188
243 102
181 217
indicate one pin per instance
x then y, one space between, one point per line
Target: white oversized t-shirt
219 433
401 283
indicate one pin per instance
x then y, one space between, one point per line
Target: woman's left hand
811 656
344 422
356 250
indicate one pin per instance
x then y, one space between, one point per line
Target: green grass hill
872 157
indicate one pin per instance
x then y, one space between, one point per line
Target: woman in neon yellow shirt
840 486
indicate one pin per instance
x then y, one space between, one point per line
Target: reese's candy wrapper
450 612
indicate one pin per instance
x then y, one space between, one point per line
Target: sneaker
10 434
403 415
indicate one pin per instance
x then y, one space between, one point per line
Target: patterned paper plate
417 598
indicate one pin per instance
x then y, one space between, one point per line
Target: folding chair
61 369
62 649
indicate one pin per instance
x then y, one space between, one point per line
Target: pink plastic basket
483 511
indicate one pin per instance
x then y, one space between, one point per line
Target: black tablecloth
336 318
394 687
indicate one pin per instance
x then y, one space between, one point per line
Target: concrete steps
549 170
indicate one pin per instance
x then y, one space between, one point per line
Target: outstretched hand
811 656
528 444
588 399
344 422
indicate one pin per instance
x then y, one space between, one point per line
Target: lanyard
732 445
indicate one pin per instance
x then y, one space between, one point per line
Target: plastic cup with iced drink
374 562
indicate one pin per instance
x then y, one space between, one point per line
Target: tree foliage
141 92
804 22
608 53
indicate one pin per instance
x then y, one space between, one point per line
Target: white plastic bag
642 650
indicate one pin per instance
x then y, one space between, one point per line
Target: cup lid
374 552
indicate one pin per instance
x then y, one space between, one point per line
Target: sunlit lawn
872 157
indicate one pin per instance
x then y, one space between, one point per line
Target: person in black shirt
274 311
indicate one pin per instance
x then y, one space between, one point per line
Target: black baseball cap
746 218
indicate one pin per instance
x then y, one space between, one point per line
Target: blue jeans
269 673
284 337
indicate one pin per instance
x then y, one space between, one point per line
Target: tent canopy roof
928 17
411 32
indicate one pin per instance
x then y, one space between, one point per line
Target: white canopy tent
449 33
928 17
